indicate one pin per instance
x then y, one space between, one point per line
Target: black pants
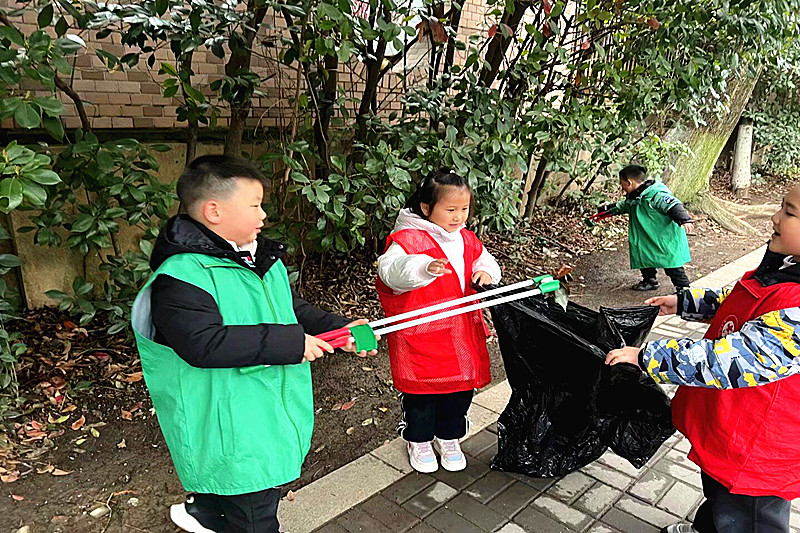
723 512
676 275
426 416
255 512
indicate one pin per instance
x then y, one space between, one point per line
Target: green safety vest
654 239
229 432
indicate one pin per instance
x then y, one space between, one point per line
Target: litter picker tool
597 217
364 335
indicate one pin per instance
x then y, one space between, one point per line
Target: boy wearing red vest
430 258
741 412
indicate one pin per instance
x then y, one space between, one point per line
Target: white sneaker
422 458
194 517
453 459
679 528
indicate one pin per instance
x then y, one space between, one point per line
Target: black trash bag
567 406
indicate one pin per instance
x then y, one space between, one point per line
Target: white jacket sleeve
488 264
402 272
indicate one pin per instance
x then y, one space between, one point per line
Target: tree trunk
692 172
241 55
740 179
324 115
499 44
538 180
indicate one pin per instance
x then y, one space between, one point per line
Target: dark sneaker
646 285
198 514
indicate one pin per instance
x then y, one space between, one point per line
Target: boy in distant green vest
225 345
657 228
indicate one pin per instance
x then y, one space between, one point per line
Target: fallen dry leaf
45 470
78 424
367 422
121 444
10 478
350 430
133 378
319 449
337 407
59 472
127 415
290 495
348 405
95 433
17 497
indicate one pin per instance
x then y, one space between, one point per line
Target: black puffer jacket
187 319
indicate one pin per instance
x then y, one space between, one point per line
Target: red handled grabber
364 335
597 217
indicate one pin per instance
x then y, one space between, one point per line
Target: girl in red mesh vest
431 257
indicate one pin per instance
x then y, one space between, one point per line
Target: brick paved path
607 496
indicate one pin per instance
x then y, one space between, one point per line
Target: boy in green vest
657 228
225 344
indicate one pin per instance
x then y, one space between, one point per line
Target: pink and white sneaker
422 458
453 459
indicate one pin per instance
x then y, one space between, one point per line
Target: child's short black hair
213 176
633 172
430 190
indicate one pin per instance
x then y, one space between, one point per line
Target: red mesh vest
747 439
445 355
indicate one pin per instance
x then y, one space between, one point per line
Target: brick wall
132 98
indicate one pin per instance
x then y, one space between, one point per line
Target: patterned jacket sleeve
766 349
700 304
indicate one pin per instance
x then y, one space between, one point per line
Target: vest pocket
433 355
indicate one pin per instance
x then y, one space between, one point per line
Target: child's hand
438 267
667 305
628 354
689 227
481 278
351 345
315 348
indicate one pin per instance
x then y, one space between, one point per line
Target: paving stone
476 512
680 458
680 499
357 521
678 472
627 523
459 480
561 512
539 483
388 513
331 527
514 498
608 475
602 528
683 445
598 499
794 520
646 512
422 527
489 486
651 486
615 461
446 520
430 499
511 528
532 520
487 454
478 442
492 427
570 486
408 486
